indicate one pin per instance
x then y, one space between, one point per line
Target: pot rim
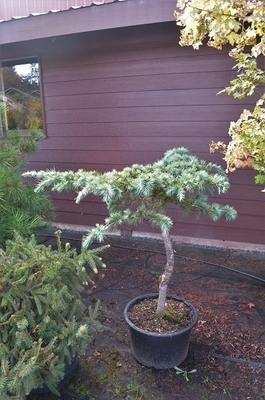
167 334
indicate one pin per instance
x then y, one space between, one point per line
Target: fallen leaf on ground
251 305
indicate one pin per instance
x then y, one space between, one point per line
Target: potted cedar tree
143 192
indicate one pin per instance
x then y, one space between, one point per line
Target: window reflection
21 107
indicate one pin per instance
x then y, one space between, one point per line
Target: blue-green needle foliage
143 192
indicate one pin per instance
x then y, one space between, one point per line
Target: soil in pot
144 315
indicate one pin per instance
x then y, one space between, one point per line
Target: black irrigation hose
254 364
197 260
176 256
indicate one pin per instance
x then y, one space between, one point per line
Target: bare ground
227 346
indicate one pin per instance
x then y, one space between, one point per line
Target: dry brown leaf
251 305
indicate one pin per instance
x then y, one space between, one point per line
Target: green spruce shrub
43 321
21 209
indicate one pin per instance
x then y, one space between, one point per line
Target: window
21 106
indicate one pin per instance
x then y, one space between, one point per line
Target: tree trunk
165 278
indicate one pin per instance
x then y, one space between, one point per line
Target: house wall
127 95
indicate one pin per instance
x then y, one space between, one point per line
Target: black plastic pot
160 350
69 371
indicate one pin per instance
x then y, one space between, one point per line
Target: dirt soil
227 347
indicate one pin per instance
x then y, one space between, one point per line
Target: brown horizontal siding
246 203
94 206
138 67
102 50
78 218
142 114
109 104
239 223
194 230
55 157
134 143
149 128
95 159
227 233
246 191
174 81
85 208
89 213
141 98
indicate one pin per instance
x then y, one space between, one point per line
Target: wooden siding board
239 223
193 230
139 98
78 218
67 203
178 129
133 143
107 157
75 166
111 53
138 67
89 208
247 192
111 158
225 234
142 114
250 208
111 47
160 41
173 81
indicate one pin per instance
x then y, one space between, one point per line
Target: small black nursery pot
160 350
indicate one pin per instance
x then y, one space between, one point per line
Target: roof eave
95 18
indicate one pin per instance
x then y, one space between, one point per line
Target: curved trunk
165 278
